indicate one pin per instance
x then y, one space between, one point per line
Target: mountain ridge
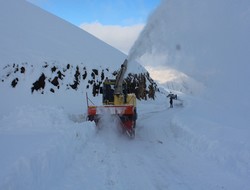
43 54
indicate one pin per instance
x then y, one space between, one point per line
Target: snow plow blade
126 113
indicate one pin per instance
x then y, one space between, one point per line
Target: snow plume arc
197 38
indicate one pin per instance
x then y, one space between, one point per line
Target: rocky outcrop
52 76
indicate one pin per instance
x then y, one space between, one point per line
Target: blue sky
106 12
116 22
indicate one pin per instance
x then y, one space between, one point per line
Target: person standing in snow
171 102
171 96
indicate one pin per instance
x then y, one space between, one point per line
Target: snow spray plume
197 37
147 40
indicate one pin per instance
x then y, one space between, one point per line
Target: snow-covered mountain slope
43 54
30 34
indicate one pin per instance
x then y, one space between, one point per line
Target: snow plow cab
116 101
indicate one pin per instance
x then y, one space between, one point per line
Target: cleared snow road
154 160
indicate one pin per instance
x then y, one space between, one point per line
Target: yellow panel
119 100
131 99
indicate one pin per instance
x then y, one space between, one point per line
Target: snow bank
205 128
37 145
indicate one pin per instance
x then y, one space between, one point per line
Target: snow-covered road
71 155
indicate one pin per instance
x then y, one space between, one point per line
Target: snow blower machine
116 102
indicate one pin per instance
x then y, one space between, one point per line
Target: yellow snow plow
116 101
